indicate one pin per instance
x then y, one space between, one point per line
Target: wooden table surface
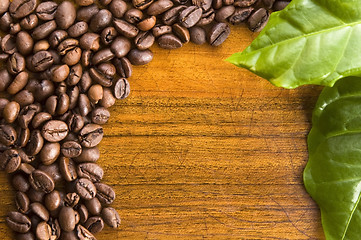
204 150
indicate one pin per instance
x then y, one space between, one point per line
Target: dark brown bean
159 7
52 200
67 168
91 171
21 8
78 29
67 219
46 10
111 217
44 30
18 222
29 22
91 135
41 181
52 170
140 57
85 188
11 111
121 88
101 20
102 56
16 63
24 43
8 135
84 234
54 130
49 153
190 16
22 202
65 15
94 224
87 12
40 210
126 29
20 182
10 160
104 193
218 34
133 16
147 23
123 67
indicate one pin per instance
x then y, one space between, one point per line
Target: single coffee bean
11 111
71 149
85 188
41 181
140 57
23 136
121 88
124 28
88 155
100 115
41 61
42 45
93 206
133 16
258 20
24 98
83 233
101 20
169 41
54 130
67 169
84 105
91 171
190 16
95 93
4 6
8 44
26 115
181 32
86 57
118 8
94 224
8 135
224 13
18 222
52 170
25 236
244 3
40 210
205 4
5 21
55 228
24 43
142 4
46 10
78 29
71 199
35 144
5 79
52 200
144 40
20 182
83 212
29 22
108 69
120 47
15 28
57 37
197 35
91 135
44 30
90 41
159 30
218 34
44 90
147 24
22 202
65 15
59 73
123 67
67 219
108 35
240 15
100 78
10 161
108 99
159 7
104 193
72 57
280 5
49 153
22 8
43 231
75 75
102 56
87 12
16 63
111 217
75 122
26 168
40 118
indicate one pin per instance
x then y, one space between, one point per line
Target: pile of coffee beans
63 64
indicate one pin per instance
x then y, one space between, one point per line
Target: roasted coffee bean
120 47
59 73
108 35
107 69
71 199
100 20
43 231
102 56
207 18
124 28
29 22
140 57
83 233
169 41
41 181
91 171
88 155
23 136
41 61
35 144
159 30
91 135
204 4
244 3
26 168
14 28
57 37
52 170
100 78
5 79
104 193
40 210
26 115
40 118
25 236
142 4
117 8
21 8
75 122
159 7
218 34
42 45
22 202
24 43
144 40
75 75
83 213
52 200
85 188
95 93
44 90
84 105
197 35
10 161
280 5
123 67
147 24
224 13
54 130
240 15
46 10
71 149
111 217
100 115
181 32
78 29
190 16
72 57
8 44
133 16
90 41
24 98
4 6
65 15
121 88
67 168
18 222
93 206
86 57
20 182
87 12
44 30
258 20
94 224
5 21
16 63
108 99
62 104
11 111
49 153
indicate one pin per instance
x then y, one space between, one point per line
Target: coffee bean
147 24
43 231
44 30
100 78
10 160
142 4
78 29
39 210
218 34
85 188
123 67
52 200
159 30
24 43
26 168
121 88
52 170
224 13
35 196
23 136
67 168
124 28
26 115
46 10
11 111
22 202
84 234
24 98
133 16
140 57
21 8
190 16
159 7
5 79
94 224
120 47
101 20
83 212
14 28
205 4
5 21
108 99
258 20
90 135
87 12
88 155
280 5
240 15
41 61
84 105
181 32
100 115
4 6
71 199
94 207
65 15
29 22
18 222
107 69
18 83
8 135
24 157
41 181
169 41
197 35
102 56
54 130
91 171
144 40
111 217
95 93
49 153
244 3
44 45
71 149
16 63
35 144
40 118
8 44
104 193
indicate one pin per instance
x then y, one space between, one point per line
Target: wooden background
204 150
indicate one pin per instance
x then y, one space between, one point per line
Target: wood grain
204 150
